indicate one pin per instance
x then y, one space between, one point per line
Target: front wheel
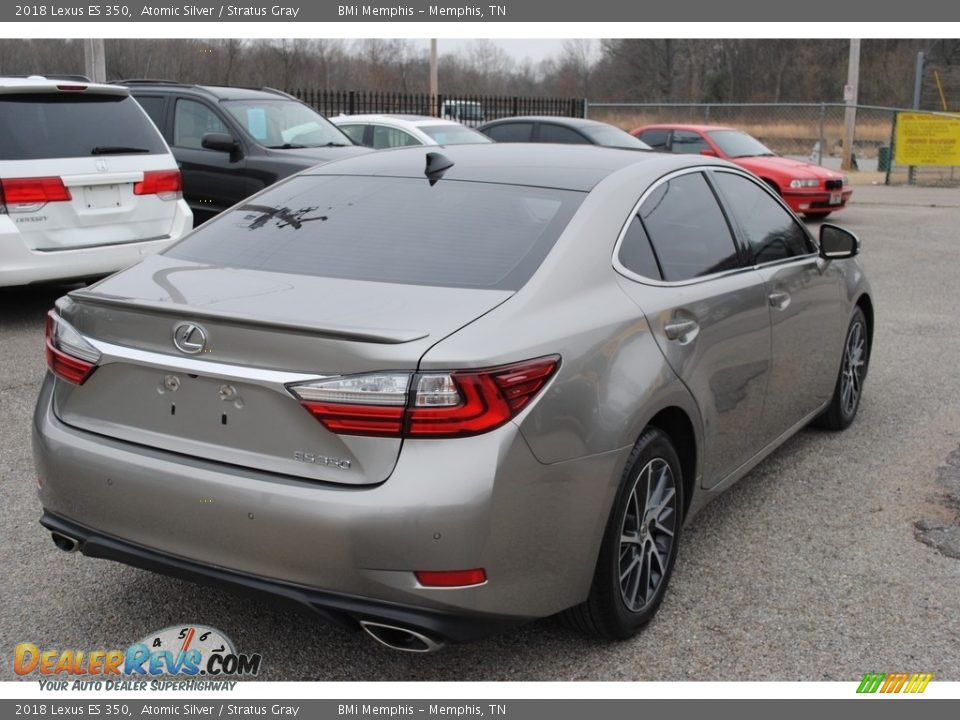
639 545
853 371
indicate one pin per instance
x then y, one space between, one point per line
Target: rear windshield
60 125
614 137
454 135
389 229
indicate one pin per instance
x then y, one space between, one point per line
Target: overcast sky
536 50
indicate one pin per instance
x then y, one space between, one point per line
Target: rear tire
639 546
853 371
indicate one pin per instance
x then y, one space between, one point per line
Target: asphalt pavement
811 568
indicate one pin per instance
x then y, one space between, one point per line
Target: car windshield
389 229
285 124
736 143
610 136
453 134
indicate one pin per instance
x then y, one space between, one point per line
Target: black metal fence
471 109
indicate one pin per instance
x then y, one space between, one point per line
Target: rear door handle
680 330
779 299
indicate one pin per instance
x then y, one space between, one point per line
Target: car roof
398 118
569 167
40 84
219 92
559 120
684 126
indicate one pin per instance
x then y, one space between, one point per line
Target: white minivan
87 184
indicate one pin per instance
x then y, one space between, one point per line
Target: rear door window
550 133
154 105
511 132
40 126
390 229
636 254
688 230
389 137
656 138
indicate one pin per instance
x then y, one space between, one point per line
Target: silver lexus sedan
436 394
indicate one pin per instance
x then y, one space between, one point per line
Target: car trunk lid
262 331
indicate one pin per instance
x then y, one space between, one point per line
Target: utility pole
850 98
94 61
917 90
433 77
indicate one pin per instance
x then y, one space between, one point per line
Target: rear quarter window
41 126
390 229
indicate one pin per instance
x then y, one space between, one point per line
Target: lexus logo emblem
189 338
101 165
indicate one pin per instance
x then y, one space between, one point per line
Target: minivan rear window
390 229
39 126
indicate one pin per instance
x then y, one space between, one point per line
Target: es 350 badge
190 650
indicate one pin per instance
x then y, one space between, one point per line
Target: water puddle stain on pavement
944 536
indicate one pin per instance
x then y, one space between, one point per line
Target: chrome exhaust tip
67 544
399 638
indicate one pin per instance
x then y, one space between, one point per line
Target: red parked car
809 189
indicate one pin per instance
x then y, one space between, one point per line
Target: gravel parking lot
808 569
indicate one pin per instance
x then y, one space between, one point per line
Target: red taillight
68 366
72 88
165 183
358 419
434 405
33 191
451 578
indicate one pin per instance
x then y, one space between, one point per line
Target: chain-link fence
812 132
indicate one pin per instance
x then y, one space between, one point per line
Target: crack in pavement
944 537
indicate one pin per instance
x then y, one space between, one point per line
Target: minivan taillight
164 183
69 356
456 403
31 194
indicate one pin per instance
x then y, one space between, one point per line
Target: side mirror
837 243
709 153
224 142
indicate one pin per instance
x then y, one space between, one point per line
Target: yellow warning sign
924 139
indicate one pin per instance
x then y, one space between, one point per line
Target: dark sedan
567 131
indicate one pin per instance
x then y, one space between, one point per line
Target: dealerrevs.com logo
186 651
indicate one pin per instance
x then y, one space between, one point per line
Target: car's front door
803 292
213 180
688 142
707 311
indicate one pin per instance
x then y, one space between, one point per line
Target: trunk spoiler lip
370 335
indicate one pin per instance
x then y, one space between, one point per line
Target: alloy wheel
647 534
854 362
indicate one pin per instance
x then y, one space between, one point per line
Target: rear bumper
454 504
19 265
339 609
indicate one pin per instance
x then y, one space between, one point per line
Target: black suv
231 142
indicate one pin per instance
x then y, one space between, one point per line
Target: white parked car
387 131
87 184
